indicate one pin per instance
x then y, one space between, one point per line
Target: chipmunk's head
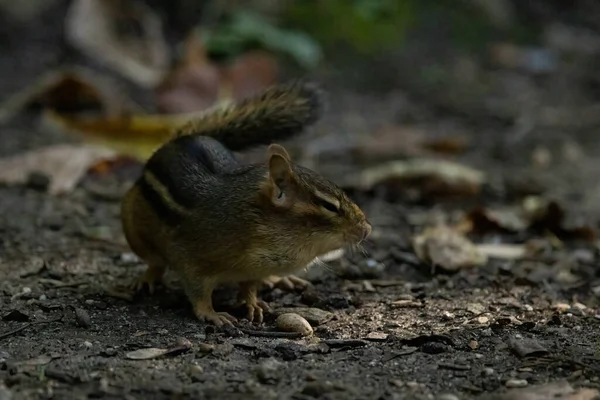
317 209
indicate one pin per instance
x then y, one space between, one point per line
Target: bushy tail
278 113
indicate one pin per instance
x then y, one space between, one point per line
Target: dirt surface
389 327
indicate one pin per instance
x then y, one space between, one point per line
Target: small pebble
82 317
473 344
87 344
195 372
516 383
488 371
26 290
447 396
561 306
206 347
527 307
579 306
42 297
483 320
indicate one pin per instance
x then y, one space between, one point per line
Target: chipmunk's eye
281 195
334 208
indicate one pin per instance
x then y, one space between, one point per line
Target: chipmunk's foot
217 318
255 307
151 278
290 282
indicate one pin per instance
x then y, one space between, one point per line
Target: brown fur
214 221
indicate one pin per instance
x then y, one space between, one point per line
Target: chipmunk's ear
280 172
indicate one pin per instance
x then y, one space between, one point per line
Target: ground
390 328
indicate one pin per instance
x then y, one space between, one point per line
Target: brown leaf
123 35
65 165
69 90
447 248
508 220
137 136
430 178
503 251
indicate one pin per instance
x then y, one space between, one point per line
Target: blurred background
499 81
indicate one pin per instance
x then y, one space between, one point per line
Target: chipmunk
214 221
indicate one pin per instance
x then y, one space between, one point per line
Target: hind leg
151 278
290 282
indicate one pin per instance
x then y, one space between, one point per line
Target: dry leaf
503 251
429 177
181 346
447 248
65 165
137 136
533 214
511 220
124 35
69 90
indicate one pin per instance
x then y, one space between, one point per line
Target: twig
27 325
270 334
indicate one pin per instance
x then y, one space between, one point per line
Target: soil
391 329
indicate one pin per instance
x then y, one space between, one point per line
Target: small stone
478 355
26 290
88 344
129 258
483 320
269 371
162 332
290 322
434 347
476 308
487 371
412 384
527 307
195 371
42 297
579 306
447 315
516 383
82 317
377 336
561 306
397 382
473 344
447 396
206 347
